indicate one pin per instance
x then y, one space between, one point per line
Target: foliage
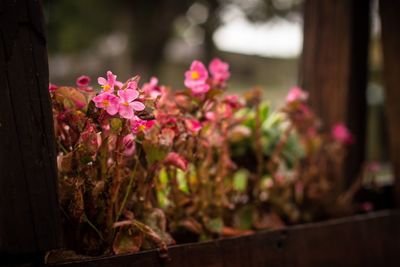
145 167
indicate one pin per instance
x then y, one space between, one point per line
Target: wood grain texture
29 215
334 69
390 17
367 240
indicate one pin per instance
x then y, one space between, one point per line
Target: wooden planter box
29 214
364 240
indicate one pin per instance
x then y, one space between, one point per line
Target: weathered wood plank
366 240
390 17
334 69
29 215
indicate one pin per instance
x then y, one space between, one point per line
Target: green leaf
293 150
154 153
71 98
162 197
240 179
264 111
274 120
215 225
182 183
245 216
163 176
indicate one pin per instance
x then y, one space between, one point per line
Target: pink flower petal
126 112
200 89
154 81
83 81
137 106
132 85
176 160
52 87
219 70
101 81
128 95
129 145
341 134
131 94
112 110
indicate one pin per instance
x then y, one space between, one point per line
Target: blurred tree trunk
210 26
334 70
152 26
390 17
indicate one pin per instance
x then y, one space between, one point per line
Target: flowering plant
144 167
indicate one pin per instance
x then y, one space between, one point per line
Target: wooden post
334 69
29 215
390 17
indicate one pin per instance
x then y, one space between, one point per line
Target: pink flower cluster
124 103
139 125
152 89
52 87
341 134
197 77
83 83
295 95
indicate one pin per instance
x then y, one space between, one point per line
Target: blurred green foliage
73 25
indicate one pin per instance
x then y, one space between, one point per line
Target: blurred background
260 39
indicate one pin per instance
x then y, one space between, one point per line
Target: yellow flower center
195 75
106 87
125 104
106 103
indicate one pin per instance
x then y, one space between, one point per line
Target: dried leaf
128 240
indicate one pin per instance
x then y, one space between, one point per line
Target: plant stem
128 190
86 219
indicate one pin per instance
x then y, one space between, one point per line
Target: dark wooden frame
365 240
29 215
334 70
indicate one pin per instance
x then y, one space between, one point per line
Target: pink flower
127 103
373 166
225 110
108 85
139 125
90 138
200 89
132 85
211 116
312 132
129 145
167 136
296 94
233 101
367 206
152 89
219 71
193 125
341 134
196 78
107 101
83 81
176 160
52 87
